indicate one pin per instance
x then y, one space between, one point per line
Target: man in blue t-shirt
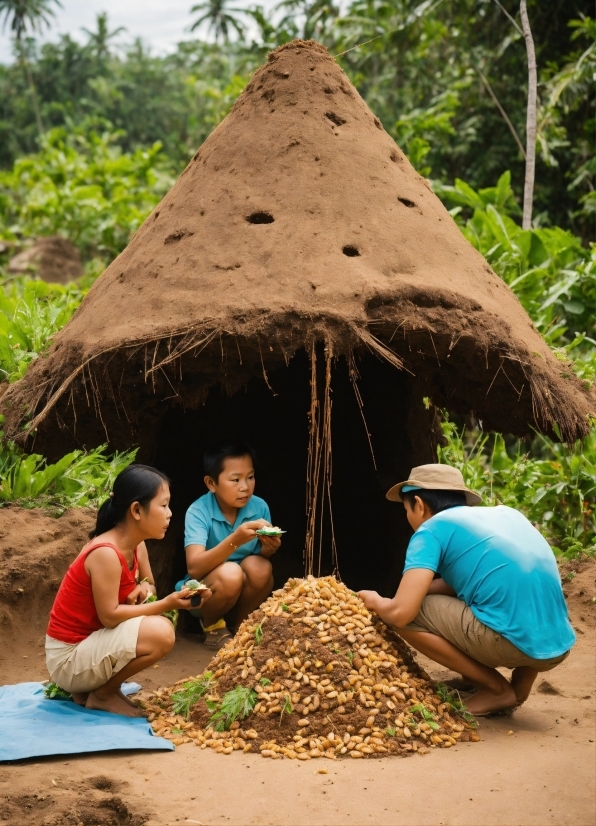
221 541
480 590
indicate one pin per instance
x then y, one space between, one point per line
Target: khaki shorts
89 664
451 618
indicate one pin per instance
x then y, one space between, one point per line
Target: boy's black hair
218 452
437 500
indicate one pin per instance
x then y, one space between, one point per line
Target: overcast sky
160 23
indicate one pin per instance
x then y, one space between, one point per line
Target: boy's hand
248 531
269 545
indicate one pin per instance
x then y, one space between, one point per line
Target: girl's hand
181 599
146 588
269 545
134 598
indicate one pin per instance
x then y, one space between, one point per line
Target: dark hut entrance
370 533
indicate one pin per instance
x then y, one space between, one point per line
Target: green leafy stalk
171 615
191 692
235 705
286 708
455 703
54 692
426 715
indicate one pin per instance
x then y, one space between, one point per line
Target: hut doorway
371 533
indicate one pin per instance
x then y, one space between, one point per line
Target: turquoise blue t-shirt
503 569
206 525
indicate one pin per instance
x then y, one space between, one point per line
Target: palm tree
99 40
315 15
220 19
23 15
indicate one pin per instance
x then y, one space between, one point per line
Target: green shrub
31 311
80 184
553 485
79 479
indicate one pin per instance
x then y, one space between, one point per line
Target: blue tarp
33 726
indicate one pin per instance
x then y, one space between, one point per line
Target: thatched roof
299 219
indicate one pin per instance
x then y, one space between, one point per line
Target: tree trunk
31 84
530 118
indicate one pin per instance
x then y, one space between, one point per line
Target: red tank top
73 616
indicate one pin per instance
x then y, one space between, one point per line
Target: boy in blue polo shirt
497 600
222 546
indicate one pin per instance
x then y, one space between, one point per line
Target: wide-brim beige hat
434 477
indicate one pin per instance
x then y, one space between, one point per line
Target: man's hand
269 545
405 605
370 599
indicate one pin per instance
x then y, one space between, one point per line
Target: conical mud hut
300 285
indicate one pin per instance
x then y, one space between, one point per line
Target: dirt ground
533 768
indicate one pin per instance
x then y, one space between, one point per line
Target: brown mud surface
525 771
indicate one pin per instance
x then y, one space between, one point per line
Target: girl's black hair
217 453
437 500
136 483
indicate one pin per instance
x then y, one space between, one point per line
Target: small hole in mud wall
406 202
336 119
260 218
351 251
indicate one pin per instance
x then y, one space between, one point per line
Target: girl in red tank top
101 630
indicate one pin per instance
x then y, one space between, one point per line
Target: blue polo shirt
206 525
503 569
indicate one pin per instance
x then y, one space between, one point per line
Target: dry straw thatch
298 221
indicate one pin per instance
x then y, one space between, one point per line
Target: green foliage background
121 123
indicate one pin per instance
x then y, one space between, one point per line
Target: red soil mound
35 551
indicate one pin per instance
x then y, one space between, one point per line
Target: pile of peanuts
346 684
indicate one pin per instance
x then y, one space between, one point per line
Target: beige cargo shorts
89 664
451 618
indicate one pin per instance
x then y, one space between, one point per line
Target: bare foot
486 702
522 680
80 699
113 703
